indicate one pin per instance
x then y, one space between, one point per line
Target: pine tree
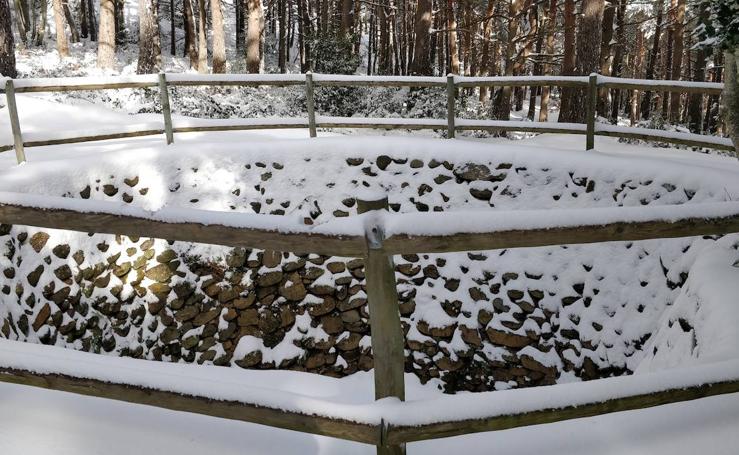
150 47
7 43
107 38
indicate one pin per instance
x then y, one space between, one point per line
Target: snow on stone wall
478 320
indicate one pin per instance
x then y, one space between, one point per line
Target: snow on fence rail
376 235
310 81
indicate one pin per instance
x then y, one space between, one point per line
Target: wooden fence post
15 123
388 342
166 109
592 99
310 103
451 98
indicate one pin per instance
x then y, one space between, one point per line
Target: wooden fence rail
311 81
378 239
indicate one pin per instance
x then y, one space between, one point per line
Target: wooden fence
451 124
376 239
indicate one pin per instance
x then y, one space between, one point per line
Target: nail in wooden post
166 110
15 123
591 101
451 99
388 343
310 103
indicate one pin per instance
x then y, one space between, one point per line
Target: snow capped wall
479 320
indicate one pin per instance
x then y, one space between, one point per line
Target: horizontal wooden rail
234 410
399 434
93 138
213 233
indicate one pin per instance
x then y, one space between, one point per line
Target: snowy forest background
651 39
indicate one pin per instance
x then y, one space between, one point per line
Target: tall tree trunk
190 37
609 13
306 33
618 57
347 18
487 33
41 25
695 103
106 39
324 17
70 20
568 61
588 56
731 94
384 65
172 29
254 36
551 24
638 62
150 46
90 20
62 45
83 19
219 39
652 63
120 22
451 23
202 38
421 50
7 43
282 42
502 105
536 67
677 58
21 19
240 19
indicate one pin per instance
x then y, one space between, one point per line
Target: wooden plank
397 434
523 82
388 342
239 127
658 86
380 126
15 124
237 83
554 128
214 234
364 83
634 133
525 238
79 87
451 101
592 99
166 110
382 295
97 137
310 104
234 410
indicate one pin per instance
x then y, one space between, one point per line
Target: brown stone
243 303
204 318
35 275
508 339
248 317
269 278
38 241
332 325
160 273
293 289
41 317
349 342
471 336
440 332
319 309
187 313
271 259
61 251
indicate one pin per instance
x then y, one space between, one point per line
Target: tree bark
588 56
609 13
502 104
646 103
254 36
21 19
422 48
62 45
282 41
106 38
347 18
451 23
551 24
91 20
150 46
83 19
568 61
75 35
677 58
731 95
219 39
202 38
487 32
7 43
618 58
190 37
41 25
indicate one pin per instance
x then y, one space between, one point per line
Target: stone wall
478 320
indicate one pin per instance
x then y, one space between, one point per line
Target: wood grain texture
15 124
214 234
614 232
645 86
635 134
93 138
234 410
397 434
74 88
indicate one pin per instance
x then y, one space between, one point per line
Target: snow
660 83
89 80
600 127
246 78
474 79
317 77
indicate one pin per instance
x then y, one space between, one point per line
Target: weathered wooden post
166 109
15 124
592 99
310 103
451 99
388 343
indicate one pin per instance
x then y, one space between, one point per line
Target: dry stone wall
478 320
